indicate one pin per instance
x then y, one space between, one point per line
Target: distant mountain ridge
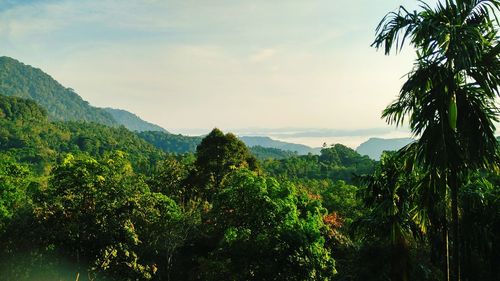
132 121
301 149
63 104
374 147
264 146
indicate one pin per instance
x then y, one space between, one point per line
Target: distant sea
311 137
350 141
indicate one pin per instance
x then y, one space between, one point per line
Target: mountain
261 147
61 103
265 153
20 80
375 146
337 162
268 142
169 142
132 121
28 136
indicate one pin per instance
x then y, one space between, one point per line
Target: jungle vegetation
83 200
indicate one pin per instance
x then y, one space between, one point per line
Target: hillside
20 80
337 162
27 135
61 103
261 147
266 153
170 143
268 142
132 121
375 146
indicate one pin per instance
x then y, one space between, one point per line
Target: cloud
262 55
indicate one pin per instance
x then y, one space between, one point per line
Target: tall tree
450 94
265 231
216 156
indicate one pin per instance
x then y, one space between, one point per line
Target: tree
218 155
101 216
480 201
450 94
169 176
389 198
264 231
14 180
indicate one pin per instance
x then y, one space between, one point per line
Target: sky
189 66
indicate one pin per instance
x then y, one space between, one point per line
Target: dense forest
83 198
61 103
17 79
132 121
87 199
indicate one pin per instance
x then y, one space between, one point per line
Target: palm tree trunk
446 249
454 187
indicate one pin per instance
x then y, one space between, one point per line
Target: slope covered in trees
337 162
132 121
172 143
26 134
90 202
20 80
169 142
266 153
61 103
82 201
97 218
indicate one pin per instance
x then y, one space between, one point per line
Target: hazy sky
200 64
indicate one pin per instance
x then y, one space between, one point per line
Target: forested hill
27 135
20 110
374 147
337 162
61 103
260 147
132 121
20 80
169 142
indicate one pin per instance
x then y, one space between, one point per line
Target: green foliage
14 180
110 204
101 217
216 156
262 234
20 110
480 201
449 99
265 153
336 163
171 143
28 137
170 176
84 224
20 80
132 121
341 198
393 226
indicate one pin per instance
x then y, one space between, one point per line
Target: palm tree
449 97
391 203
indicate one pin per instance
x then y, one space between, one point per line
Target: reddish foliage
333 220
